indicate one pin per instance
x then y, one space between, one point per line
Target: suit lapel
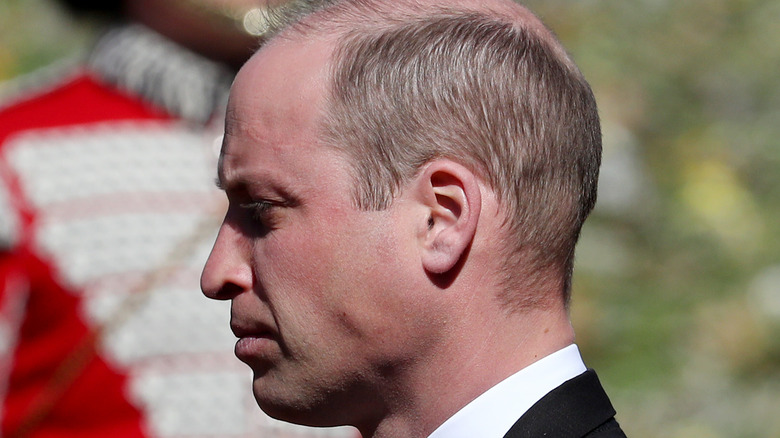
573 409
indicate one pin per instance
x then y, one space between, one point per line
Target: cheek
291 266
369 287
301 267
342 285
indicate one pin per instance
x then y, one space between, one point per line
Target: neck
479 352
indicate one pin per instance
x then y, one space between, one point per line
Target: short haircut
489 91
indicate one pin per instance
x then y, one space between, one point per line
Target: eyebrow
230 185
219 179
290 199
223 185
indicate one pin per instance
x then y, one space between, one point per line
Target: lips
249 330
256 341
248 320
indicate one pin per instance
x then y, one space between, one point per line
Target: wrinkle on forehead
282 85
274 113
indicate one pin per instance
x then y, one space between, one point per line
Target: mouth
245 330
255 342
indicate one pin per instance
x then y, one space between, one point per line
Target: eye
256 218
259 212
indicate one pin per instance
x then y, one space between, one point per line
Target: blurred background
677 287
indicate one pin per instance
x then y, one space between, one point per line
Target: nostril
226 291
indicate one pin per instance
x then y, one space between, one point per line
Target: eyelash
260 211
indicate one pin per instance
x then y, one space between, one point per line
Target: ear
451 195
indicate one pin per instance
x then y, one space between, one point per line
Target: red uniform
107 213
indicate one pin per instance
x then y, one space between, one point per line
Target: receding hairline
336 18
358 28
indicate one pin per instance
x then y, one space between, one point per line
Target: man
106 183
406 184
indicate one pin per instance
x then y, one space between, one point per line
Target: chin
313 402
303 409
296 415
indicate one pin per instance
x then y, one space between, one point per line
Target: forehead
275 110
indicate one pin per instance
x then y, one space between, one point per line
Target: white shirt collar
494 412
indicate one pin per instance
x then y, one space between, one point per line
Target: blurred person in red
106 182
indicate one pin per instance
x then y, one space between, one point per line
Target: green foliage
35 33
677 291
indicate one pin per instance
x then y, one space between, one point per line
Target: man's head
324 299
485 84
406 182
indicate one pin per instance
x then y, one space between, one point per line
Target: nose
227 272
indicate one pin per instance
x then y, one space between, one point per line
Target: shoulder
578 408
610 429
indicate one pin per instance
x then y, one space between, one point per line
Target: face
323 294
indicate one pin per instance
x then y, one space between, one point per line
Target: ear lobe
452 197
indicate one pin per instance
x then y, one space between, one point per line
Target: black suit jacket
579 408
